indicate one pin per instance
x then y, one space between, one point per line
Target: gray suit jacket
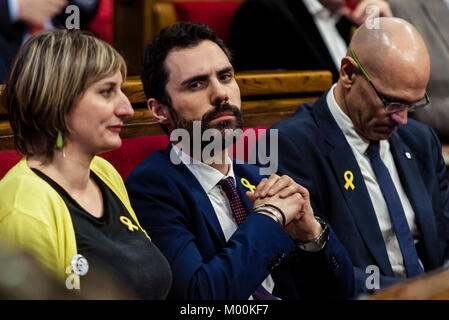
431 18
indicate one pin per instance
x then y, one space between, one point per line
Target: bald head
396 46
396 60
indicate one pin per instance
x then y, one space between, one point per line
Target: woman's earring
60 143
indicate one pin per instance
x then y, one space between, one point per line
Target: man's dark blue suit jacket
176 211
314 152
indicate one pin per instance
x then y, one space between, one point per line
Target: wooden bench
267 97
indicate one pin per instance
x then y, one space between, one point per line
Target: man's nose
219 94
400 117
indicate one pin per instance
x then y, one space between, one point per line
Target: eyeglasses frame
385 101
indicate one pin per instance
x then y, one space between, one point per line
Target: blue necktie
397 214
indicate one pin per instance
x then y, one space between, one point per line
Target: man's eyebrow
394 99
202 77
399 100
226 69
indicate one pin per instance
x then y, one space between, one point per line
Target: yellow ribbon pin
248 185
128 223
348 178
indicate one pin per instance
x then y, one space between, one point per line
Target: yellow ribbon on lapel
248 185
349 177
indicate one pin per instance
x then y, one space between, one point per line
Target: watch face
319 243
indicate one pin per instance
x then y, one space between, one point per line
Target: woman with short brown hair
62 202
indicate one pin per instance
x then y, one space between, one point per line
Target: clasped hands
294 201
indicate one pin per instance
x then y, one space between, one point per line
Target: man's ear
159 111
348 70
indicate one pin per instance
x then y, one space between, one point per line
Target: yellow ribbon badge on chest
349 177
127 222
248 185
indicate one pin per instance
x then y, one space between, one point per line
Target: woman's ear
159 111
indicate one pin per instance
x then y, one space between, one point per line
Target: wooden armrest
267 97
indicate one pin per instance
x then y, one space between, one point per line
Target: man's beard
226 129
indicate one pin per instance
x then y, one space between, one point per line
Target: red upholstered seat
244 146
134 150
102 24
124 159
216 14
8 159
352 4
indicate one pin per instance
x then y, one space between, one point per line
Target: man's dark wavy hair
177 36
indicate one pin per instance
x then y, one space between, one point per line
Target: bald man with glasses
377 176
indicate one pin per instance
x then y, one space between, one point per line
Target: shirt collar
347 127
206 175
345 123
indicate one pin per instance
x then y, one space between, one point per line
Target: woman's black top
114 245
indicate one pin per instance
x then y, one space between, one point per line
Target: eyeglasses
393 106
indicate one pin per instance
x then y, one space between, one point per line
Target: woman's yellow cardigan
34 217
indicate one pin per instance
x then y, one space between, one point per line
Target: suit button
334 262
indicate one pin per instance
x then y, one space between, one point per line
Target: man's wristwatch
317 244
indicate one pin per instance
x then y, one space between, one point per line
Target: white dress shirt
209 177
326 22
359 146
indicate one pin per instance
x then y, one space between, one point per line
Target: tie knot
373 150
227 184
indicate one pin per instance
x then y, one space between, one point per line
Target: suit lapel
359 203
342 160
201 199
417 194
